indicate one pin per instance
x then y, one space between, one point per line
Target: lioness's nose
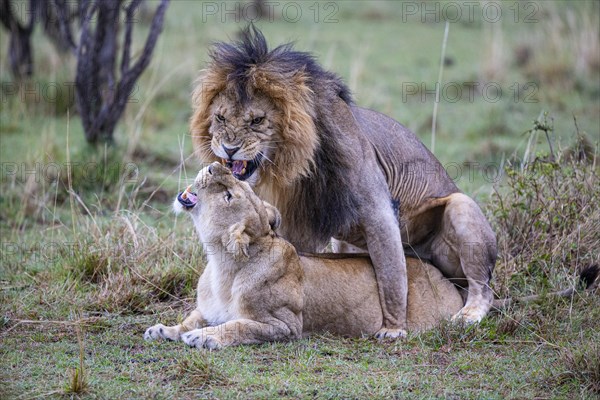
230 151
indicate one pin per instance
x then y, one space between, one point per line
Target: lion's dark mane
321 205
252 49
324 202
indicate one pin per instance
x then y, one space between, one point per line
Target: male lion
289 128
256 288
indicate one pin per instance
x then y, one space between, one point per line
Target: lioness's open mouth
242 169
187 198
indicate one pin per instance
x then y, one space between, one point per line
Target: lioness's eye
228 196
257 120
220 117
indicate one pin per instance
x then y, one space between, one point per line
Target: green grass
450 362
109 259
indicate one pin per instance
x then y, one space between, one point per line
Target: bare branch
58 19
102 98
130 12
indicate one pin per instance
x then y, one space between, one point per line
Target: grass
583 366
78 383
91 255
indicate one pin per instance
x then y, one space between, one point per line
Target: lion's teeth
245 164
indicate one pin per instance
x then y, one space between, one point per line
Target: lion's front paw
154 332
200 339
390 333
159 331
470 314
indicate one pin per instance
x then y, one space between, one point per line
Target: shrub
546 219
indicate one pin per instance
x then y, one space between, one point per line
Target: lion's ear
273 215
237 241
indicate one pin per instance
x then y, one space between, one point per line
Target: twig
437 87
52 322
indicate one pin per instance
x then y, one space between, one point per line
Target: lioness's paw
159 331
200 339
390 333
470 314
154 332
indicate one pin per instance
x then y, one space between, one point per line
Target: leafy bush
547 220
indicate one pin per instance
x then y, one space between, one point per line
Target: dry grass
583 364
78 380
494 63
127 266
564 48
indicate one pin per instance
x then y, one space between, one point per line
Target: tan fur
341 297
336 170
256 288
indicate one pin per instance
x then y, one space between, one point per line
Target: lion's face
257 118
244 136
218 202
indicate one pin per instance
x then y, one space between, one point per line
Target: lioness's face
218 201
244 136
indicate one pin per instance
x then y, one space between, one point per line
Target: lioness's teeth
186 191
243 171
245 164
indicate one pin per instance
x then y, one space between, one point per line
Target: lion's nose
230 151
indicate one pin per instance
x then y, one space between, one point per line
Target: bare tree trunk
101 97
19 47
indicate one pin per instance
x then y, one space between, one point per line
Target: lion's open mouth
242 169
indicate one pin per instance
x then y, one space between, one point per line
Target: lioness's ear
273 215
237 241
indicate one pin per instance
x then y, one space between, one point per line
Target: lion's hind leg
465 249
160 331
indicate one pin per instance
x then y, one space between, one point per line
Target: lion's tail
589 279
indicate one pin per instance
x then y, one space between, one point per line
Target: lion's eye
228 196
257 120
220 117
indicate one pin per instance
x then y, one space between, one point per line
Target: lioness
256 288
290 129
